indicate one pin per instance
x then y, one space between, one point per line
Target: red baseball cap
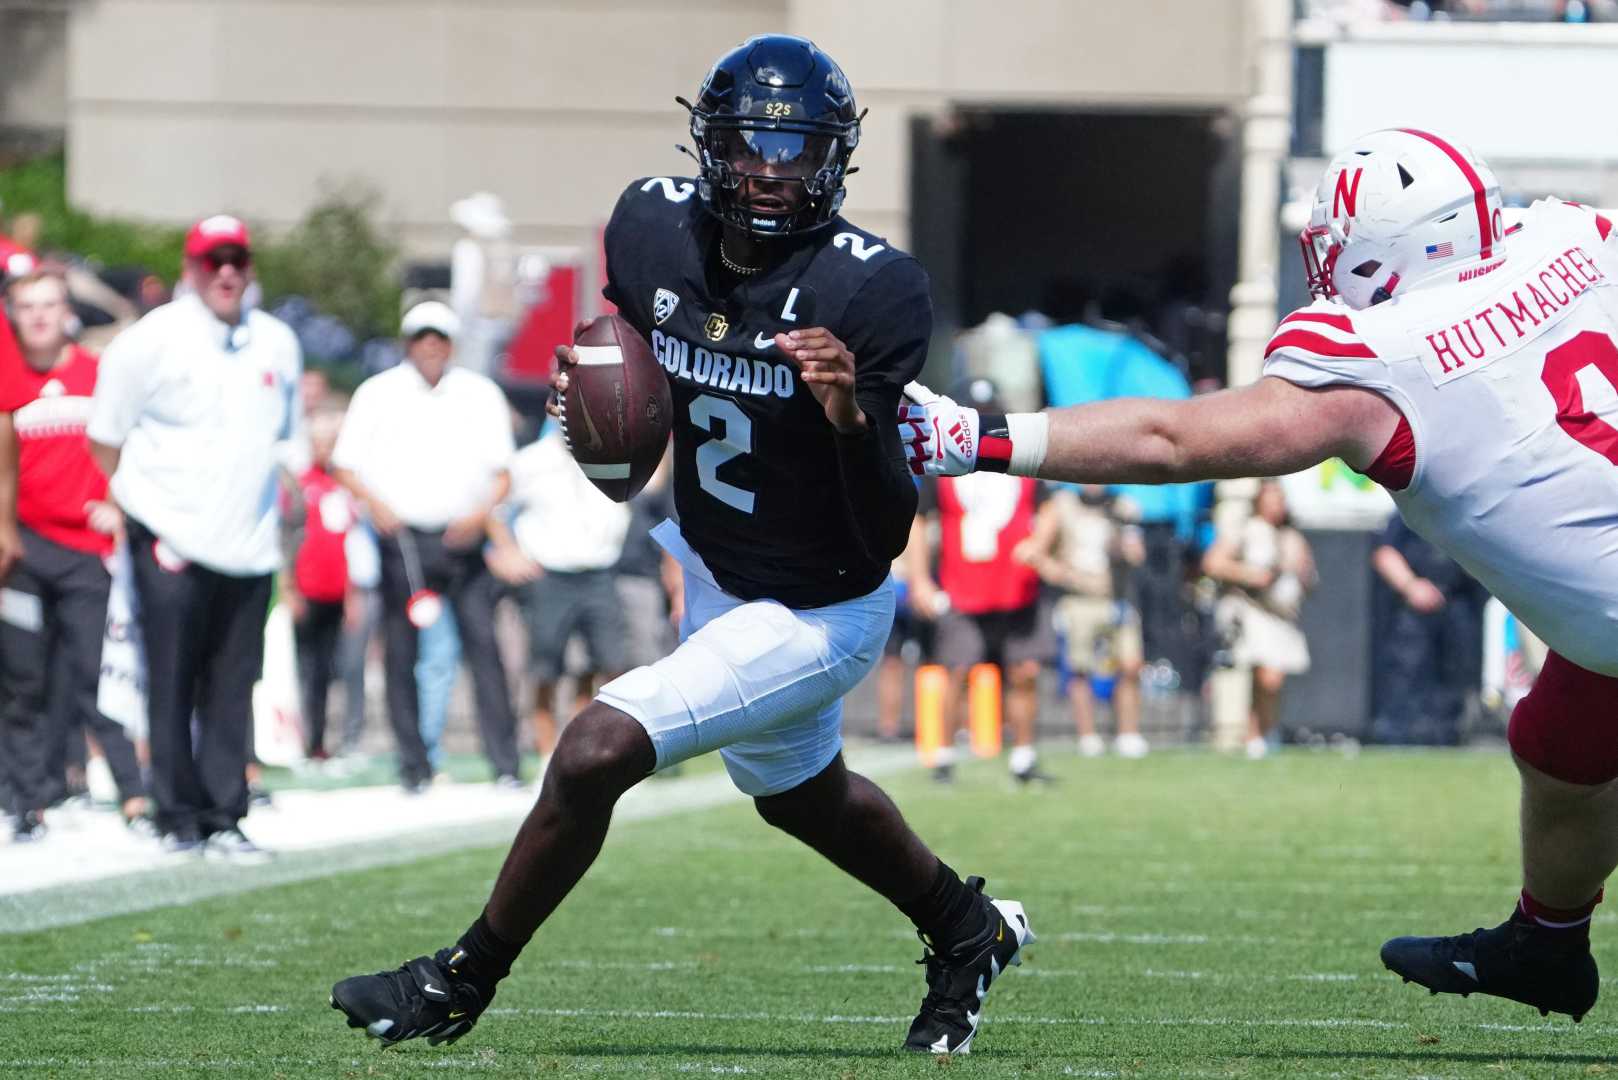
216 231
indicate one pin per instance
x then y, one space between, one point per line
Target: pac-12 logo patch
663 305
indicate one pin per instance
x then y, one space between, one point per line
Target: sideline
97 869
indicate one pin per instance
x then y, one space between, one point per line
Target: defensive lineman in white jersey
1471 367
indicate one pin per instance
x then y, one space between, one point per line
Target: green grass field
1198 917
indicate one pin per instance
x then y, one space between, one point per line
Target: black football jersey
756 477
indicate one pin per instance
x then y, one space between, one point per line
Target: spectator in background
53 608
425 448
438 666
316 586
1081 547
647 578
1267 568
317 394
560 550
1430 656
991 611
483 278
359 627
909 642
13 396
193 414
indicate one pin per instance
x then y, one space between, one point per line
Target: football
617 412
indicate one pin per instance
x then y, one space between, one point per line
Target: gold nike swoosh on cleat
456 1015
999 935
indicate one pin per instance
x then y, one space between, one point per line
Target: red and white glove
942 438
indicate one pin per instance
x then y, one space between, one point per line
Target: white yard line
98 870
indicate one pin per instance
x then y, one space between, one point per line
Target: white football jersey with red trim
1508 377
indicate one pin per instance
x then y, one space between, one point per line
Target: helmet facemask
769 180
775 125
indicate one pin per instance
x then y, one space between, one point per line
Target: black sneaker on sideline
958 983
422 998
1515 960
232 845
28 827
141 827
1032 775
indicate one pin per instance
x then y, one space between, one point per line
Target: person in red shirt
53 608
12 398
316 587
986 598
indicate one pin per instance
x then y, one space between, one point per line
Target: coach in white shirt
196 408
426 447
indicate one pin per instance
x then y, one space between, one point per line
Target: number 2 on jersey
1582 376
714 452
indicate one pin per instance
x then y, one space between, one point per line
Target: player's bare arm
1270 428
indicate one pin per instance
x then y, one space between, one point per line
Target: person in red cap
196 412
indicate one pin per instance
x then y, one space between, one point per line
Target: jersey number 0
1582 376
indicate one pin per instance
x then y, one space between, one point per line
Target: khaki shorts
1098 639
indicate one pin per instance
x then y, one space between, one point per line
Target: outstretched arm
1269 428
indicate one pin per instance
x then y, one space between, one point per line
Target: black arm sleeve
878 493
890 321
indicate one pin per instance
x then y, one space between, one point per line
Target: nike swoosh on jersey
763 341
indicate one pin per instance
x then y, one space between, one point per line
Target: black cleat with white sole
1515 960
958 982
422 999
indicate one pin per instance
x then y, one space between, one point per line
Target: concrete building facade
174 105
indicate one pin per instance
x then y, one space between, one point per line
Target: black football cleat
425 998
958 982
1515 960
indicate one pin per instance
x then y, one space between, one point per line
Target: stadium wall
175 107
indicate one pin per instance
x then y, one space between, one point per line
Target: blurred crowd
265 533
1129 598
1352 12
268 537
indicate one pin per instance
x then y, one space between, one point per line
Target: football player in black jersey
788 335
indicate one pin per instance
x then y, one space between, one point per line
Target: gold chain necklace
734 267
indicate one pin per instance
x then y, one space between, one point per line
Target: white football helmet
1398 209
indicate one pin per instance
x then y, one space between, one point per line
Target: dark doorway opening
1080 214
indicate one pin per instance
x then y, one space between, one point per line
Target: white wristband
1030 435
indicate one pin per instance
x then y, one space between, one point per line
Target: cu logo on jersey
716 327
663 305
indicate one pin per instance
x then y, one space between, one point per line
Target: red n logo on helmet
1347 193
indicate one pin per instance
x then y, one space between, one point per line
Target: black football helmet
778 109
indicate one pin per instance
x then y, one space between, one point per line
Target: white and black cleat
958 982
423 998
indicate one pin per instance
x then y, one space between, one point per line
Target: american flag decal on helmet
1440 251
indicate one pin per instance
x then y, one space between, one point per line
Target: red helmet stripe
1480 198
